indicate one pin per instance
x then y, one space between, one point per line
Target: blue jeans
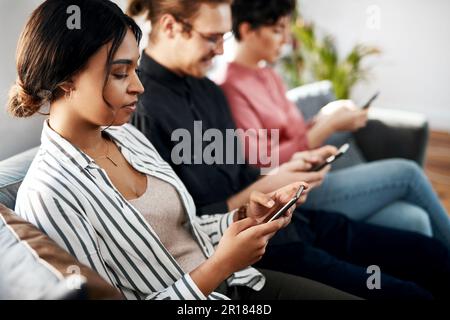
393 193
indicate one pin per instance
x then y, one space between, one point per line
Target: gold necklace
106 156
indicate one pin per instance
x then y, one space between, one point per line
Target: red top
257 98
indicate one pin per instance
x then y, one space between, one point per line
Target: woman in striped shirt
105 195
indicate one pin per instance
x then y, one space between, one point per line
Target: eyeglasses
215 39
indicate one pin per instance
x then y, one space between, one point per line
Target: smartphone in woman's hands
368 103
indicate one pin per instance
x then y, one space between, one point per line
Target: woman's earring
68 94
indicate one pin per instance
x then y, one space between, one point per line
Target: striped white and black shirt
69 197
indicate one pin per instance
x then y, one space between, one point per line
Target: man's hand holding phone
311 159
328 161
263 206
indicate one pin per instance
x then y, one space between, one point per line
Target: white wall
413 72
15 134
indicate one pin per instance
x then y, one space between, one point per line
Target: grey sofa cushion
310 98
32 266
12 172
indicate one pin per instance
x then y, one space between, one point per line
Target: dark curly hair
259 12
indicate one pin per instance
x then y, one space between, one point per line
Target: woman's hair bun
138 7
22 103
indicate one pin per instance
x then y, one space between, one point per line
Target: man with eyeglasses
215 39
193 42
185 37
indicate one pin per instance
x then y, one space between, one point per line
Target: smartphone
368 103
281 210
342 150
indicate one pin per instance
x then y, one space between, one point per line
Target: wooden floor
437 166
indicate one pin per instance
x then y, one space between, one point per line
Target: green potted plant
314 59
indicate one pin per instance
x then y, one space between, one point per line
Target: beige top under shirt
161 206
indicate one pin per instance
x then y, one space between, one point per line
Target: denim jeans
393 193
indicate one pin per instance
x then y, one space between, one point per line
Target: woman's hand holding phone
245 241
369 102
343 115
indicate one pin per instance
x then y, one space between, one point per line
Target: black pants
334 250
282 286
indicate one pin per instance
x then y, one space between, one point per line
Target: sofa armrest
310 98
12 172
33 266
394 134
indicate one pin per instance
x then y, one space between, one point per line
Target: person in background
185 36
257 94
